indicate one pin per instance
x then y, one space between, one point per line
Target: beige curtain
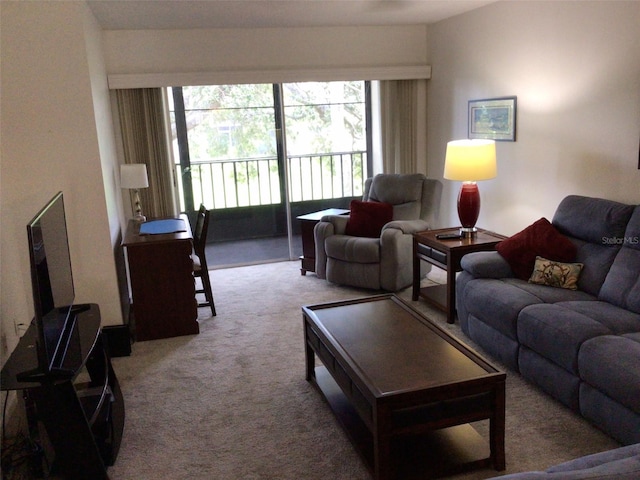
144 137
403 125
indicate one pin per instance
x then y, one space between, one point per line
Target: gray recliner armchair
386 262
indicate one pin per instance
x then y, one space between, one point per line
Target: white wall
575 68
50 143
102 109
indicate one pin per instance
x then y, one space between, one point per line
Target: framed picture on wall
493 118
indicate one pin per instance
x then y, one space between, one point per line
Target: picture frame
493 118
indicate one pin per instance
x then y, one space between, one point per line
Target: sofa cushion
599 459
615 419
635 336
353 249
366 219
618 464
499 346
497 304
553 379
632 233
546 294
622 284
590 223
556 274
612 364
618 320
538 239
556 333
591 219
597 260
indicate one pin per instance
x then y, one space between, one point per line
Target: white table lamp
134 176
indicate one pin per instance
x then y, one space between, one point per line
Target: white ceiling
189 14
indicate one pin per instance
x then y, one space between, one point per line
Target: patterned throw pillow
556 274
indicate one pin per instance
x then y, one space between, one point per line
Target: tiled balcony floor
247 252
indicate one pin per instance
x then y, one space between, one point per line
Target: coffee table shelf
426 456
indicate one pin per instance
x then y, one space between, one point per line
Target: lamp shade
133 175
470 160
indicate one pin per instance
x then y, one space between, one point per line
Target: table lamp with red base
470 161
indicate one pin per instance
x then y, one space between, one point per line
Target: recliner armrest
486 265
407 226
339 223
327 226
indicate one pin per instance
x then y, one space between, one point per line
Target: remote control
448 236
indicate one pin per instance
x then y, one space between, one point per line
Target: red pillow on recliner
366 219
538 239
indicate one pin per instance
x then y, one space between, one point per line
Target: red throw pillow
366 219
539 239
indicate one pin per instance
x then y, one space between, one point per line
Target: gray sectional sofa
581 346
618 464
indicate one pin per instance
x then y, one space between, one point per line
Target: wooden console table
446 254
162 283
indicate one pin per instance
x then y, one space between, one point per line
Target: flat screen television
53 289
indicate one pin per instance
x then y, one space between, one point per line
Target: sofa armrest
486 265
608 457
619 464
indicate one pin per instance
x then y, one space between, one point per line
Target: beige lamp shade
470 160
134 175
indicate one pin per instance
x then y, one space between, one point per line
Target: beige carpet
232 402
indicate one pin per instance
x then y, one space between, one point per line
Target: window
229 154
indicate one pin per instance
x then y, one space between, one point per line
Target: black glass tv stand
83 410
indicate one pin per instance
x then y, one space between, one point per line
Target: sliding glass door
259 156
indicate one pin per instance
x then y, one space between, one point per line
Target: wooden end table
446 254
307 224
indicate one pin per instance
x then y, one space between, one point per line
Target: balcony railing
221 184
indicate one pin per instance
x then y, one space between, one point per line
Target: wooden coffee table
403 388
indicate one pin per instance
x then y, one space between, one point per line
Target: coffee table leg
497 428
415 293
310 357
383 468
